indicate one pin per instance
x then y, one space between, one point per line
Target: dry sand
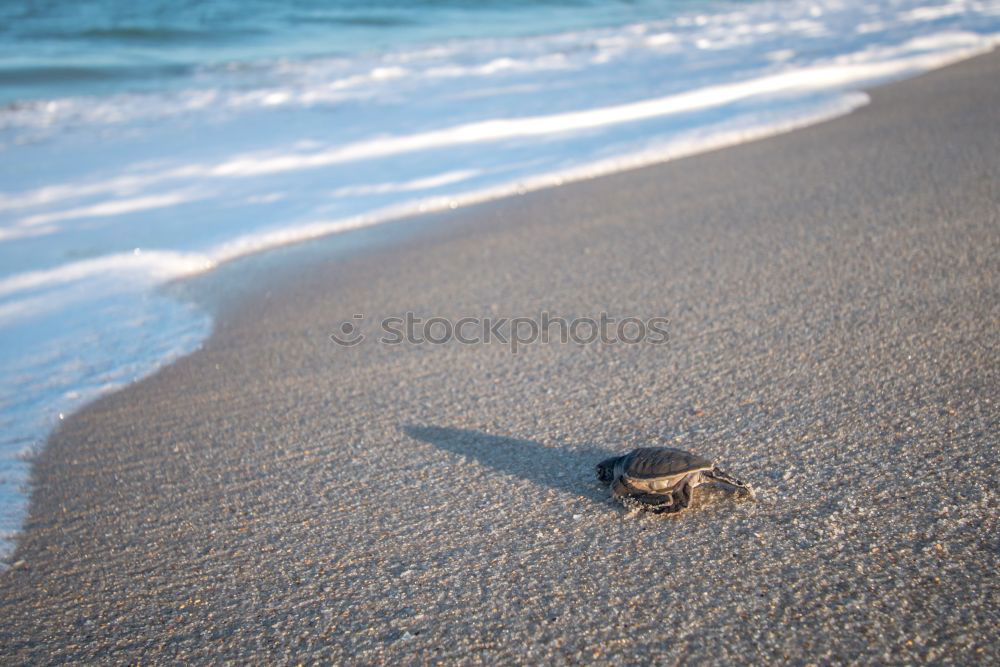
834 308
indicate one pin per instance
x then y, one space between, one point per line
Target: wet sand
834 307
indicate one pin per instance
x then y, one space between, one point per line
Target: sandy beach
833 303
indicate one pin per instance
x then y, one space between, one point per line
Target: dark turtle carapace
660 479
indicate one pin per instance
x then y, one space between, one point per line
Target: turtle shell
656 462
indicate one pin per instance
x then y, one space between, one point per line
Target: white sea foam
115 196
107 208
869 67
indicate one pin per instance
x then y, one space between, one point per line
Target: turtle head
606 470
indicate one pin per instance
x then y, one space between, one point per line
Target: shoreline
143 332
233 486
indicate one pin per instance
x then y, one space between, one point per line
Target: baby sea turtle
660 479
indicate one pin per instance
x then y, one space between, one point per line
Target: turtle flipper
680 499
728 482
659 503
682 496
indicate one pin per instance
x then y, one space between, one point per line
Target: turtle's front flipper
658 503
728 482
682 495
680 498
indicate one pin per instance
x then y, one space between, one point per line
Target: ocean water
143 141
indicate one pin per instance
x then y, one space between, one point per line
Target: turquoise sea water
141 142
65 47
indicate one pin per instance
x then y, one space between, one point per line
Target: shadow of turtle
568 471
